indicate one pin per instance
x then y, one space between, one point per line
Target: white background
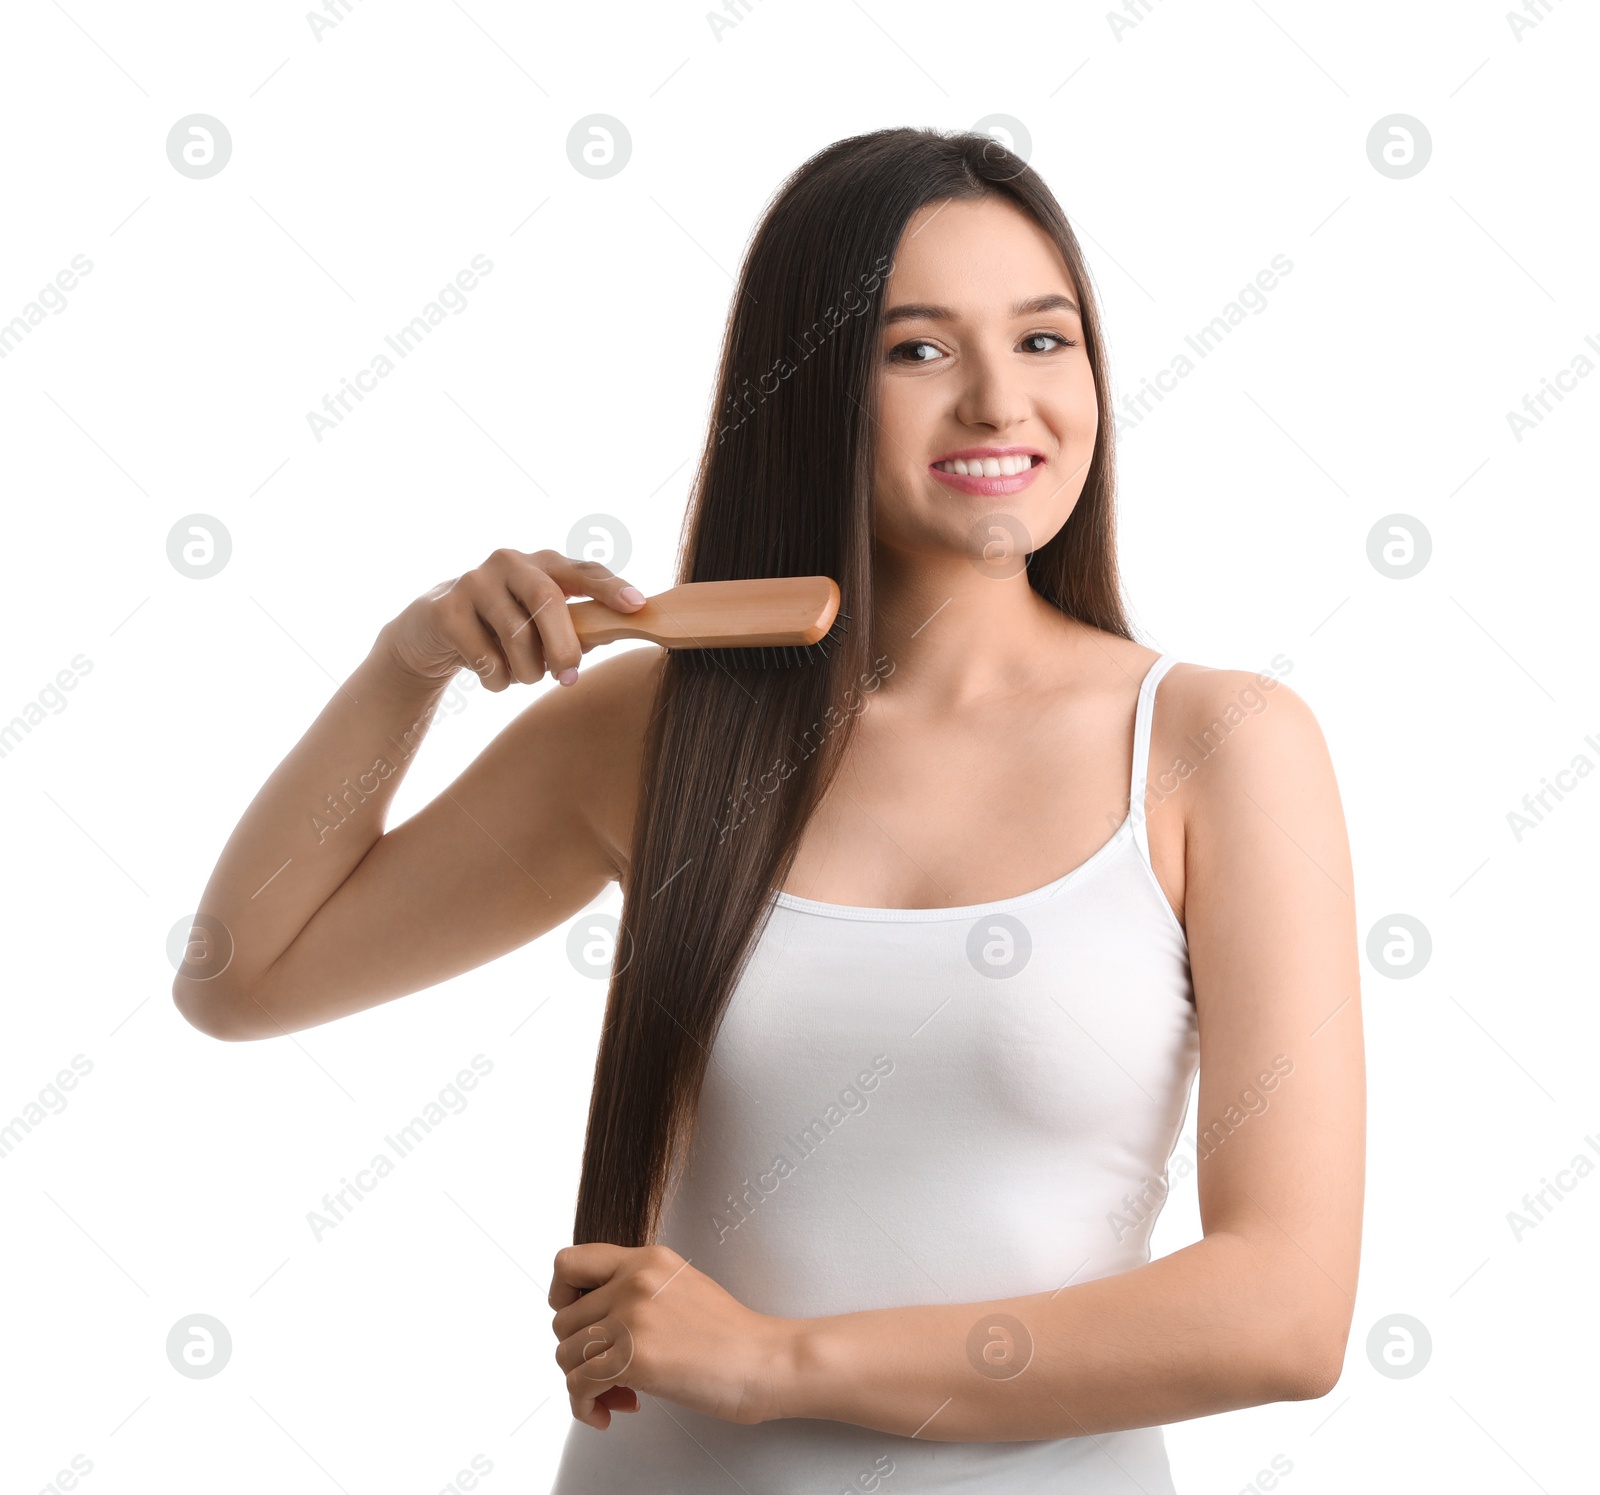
367 169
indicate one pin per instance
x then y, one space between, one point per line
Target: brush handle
770 611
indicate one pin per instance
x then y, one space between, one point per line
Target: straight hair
735 760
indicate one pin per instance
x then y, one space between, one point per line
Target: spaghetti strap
1143 715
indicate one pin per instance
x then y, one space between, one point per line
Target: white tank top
935 1105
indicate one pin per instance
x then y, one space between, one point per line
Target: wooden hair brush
772 621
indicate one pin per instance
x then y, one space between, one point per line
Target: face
985 395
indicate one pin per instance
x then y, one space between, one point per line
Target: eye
1066 342
916 342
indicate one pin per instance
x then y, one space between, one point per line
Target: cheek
903 424
901 421
1079 404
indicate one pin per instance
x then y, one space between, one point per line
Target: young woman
922 944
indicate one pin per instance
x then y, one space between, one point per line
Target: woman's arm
1260 1309
318 912
1257 1311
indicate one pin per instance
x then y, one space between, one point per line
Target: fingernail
631 594
568 676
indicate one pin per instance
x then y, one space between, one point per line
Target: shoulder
1211 709
1249 759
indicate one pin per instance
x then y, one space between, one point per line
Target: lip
989 487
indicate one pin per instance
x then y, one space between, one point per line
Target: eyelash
917 342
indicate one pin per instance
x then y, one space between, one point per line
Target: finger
602 1352
588 1397
591 579
506 614
474 641
590 1379
618 1399
576 1269
613 1399
544 594
550 629
563 647
586 1309
503 602
588 1410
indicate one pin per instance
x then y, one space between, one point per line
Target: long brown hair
736 760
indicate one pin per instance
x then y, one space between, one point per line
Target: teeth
986 467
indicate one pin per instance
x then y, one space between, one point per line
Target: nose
993 391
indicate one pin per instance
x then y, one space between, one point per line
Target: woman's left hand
641 1318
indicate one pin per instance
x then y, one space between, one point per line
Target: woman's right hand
505 620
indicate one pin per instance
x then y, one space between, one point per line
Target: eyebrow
910 310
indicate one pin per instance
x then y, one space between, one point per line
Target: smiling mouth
988 477
987 467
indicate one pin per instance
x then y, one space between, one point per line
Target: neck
955 635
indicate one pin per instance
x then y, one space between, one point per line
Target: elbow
205 1011
1305 1382
1310 1363
1299 1325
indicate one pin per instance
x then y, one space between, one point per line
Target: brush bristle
768 656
